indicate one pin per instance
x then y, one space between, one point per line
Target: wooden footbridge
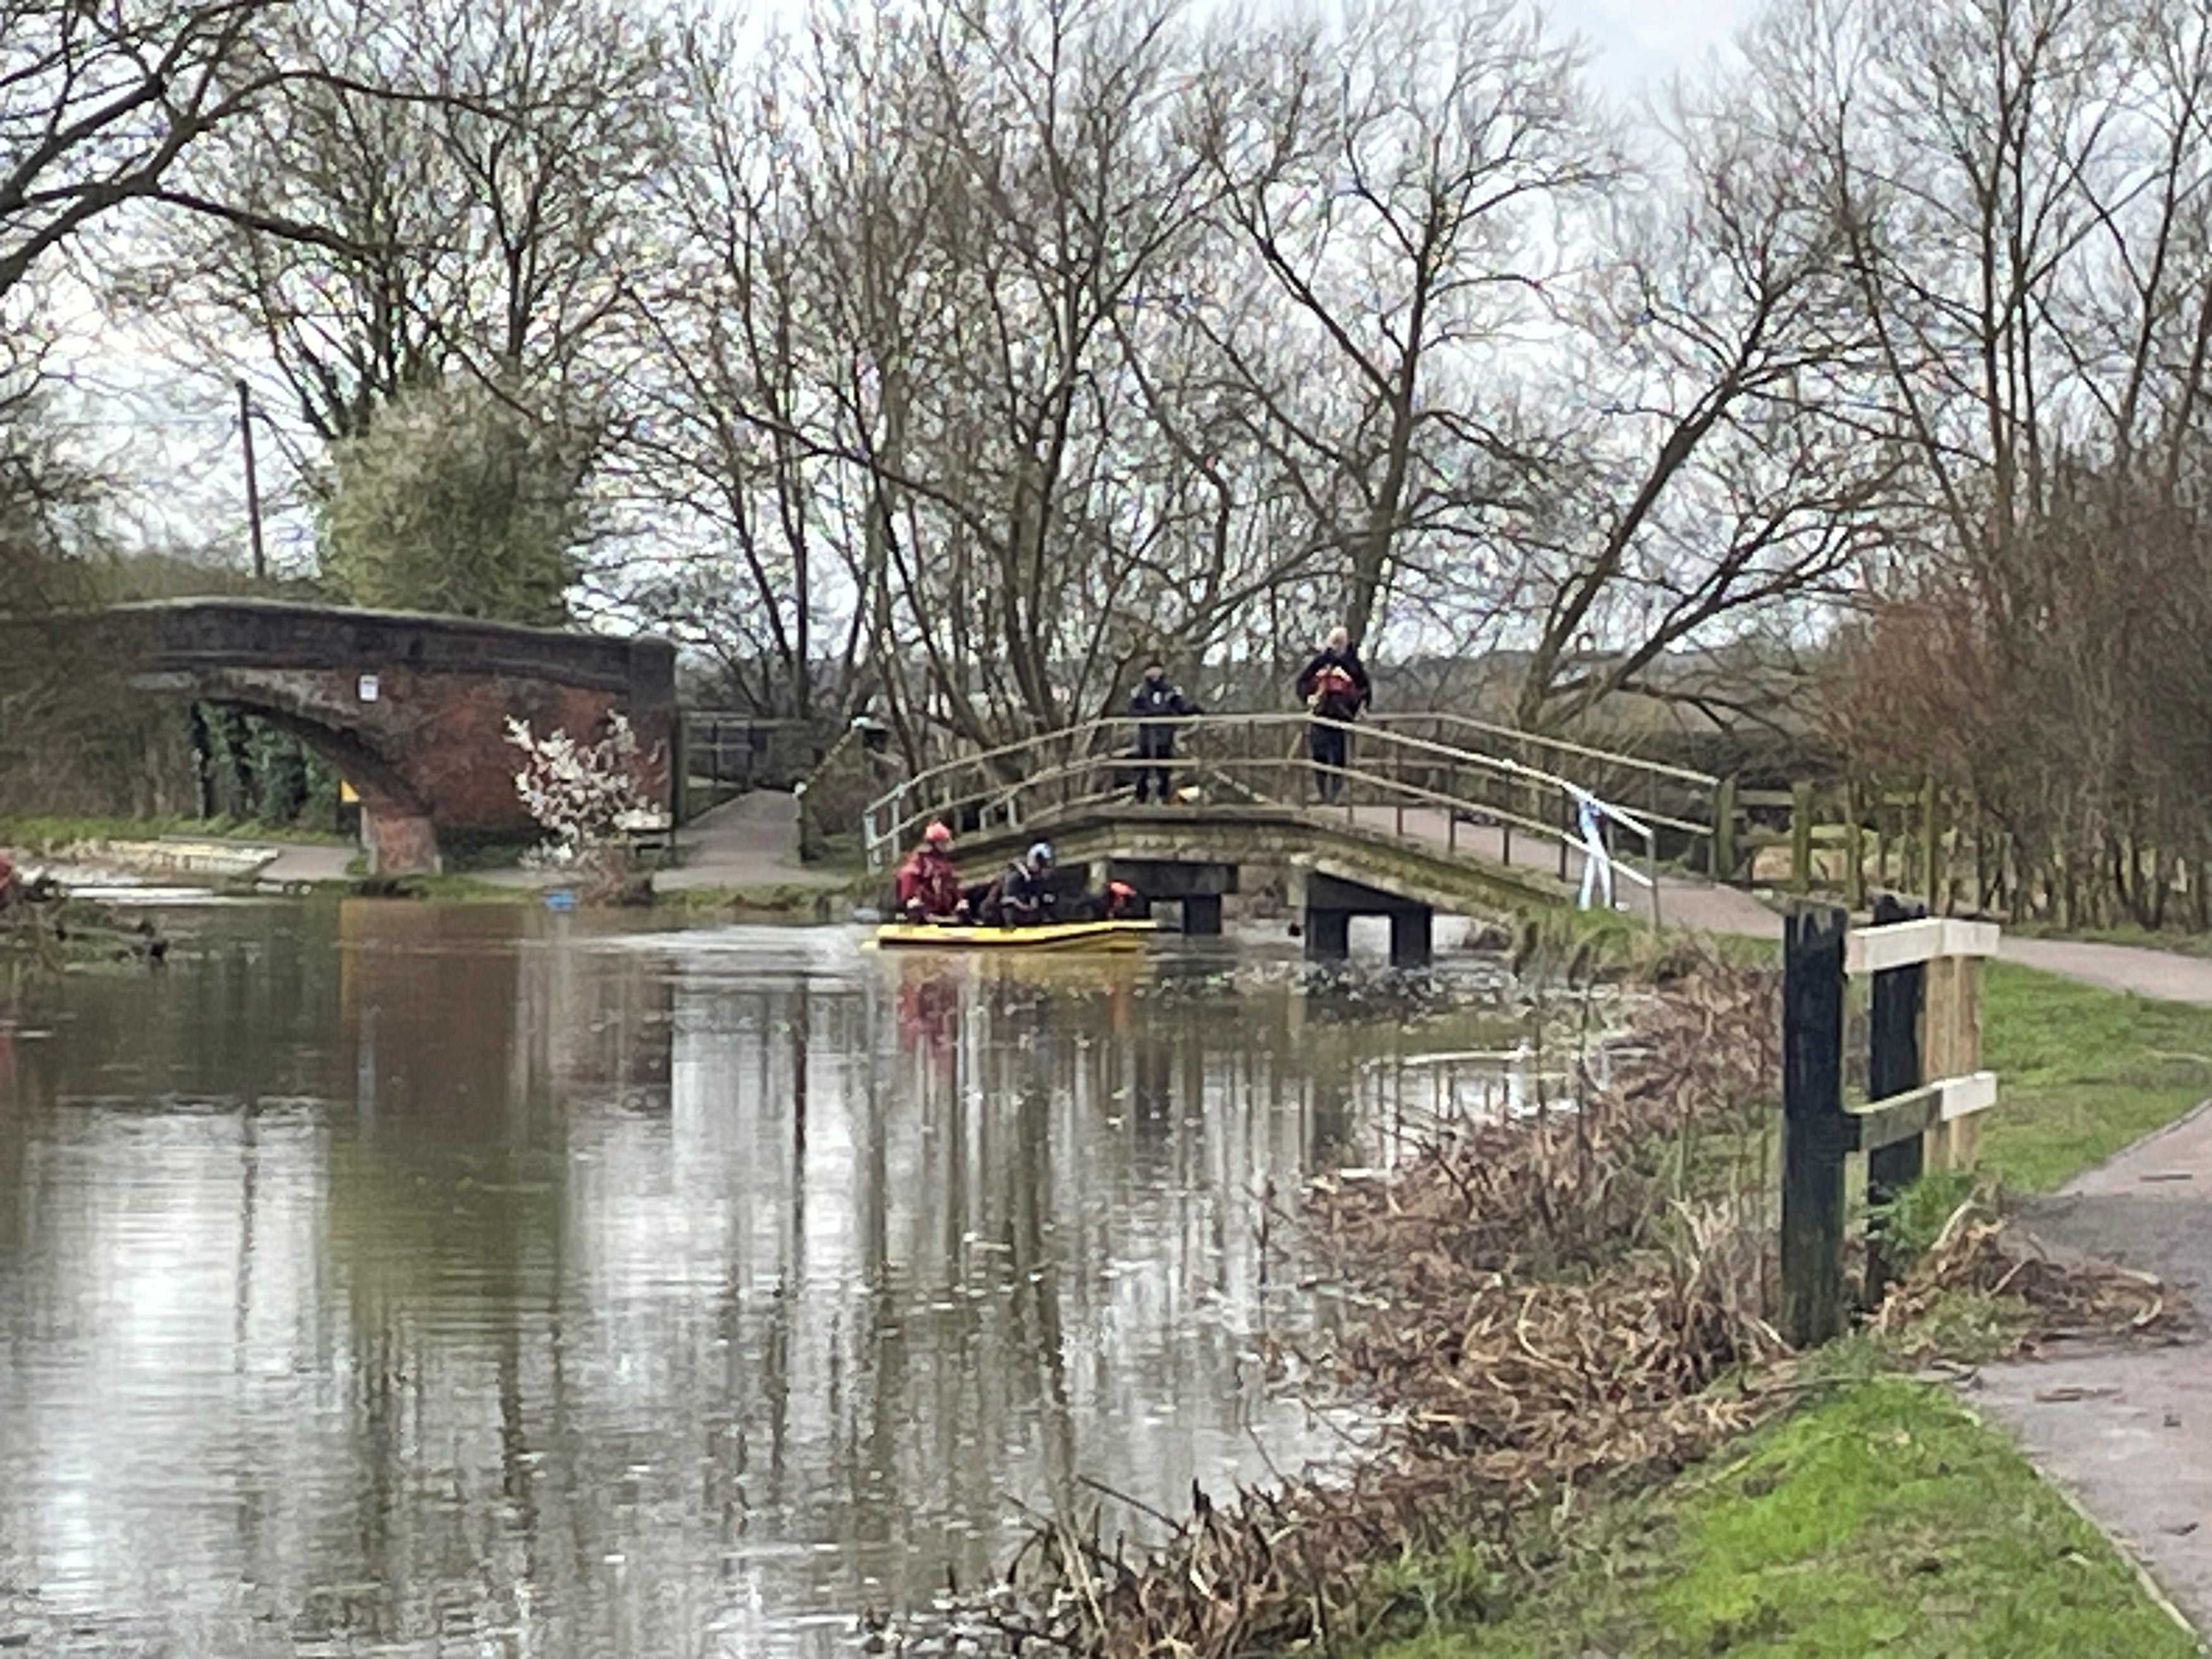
1432 811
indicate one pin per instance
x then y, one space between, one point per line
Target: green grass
1884 1519
47 834
2081 1072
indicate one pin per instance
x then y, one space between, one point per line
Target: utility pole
253 483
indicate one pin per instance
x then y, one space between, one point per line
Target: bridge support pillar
399 843
1410 940
1201 915
1328 934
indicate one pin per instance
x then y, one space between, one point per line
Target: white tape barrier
1598 863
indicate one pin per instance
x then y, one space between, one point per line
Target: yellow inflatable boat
1048 936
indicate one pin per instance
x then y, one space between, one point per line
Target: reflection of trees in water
705 1264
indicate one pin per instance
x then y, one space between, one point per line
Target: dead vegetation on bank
2028 1294
1534 1307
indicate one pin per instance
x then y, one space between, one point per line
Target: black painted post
679 768
1412 938
1201 915
1892 1068
1814 1134
1328 935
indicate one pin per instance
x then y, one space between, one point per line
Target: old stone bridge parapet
410 709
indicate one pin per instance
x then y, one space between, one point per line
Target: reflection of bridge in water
1433 812
459 1273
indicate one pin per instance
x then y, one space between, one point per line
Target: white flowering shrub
582 795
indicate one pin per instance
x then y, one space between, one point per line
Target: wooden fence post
1893 1068
1800 836
1951 1044
1932 835
1854 849
1815 1136
1724 842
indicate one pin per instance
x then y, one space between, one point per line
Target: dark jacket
1148 703
1343 706
1025 895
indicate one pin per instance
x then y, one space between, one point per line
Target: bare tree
1399 185
2026 198
106 104
727 399
473 174
1713 471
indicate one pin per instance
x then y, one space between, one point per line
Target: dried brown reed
1539 1305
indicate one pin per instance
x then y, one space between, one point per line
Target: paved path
750 841
2129 1432
2166 974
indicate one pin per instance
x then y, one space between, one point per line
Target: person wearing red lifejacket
928 882
1335 687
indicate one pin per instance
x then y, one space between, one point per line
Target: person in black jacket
1025 897
1335 687
1156 696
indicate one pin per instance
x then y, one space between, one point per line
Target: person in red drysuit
928 884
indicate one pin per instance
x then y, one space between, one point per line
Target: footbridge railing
1445 781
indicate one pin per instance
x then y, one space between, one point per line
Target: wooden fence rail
1924 1081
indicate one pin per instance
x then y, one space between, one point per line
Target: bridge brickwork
411 710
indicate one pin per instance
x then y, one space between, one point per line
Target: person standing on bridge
1156 696
1335 687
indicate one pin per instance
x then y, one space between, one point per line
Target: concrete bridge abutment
1331 902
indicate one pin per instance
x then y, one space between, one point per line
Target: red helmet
937 834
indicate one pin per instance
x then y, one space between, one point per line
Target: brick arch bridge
409 709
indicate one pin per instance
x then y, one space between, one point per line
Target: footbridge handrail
1261 759
1512 736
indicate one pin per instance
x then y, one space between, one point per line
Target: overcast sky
1634 42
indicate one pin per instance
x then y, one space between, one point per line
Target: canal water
416 1280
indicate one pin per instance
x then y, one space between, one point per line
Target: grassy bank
1883 1518
2082 1072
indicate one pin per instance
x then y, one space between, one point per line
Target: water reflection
409 1277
